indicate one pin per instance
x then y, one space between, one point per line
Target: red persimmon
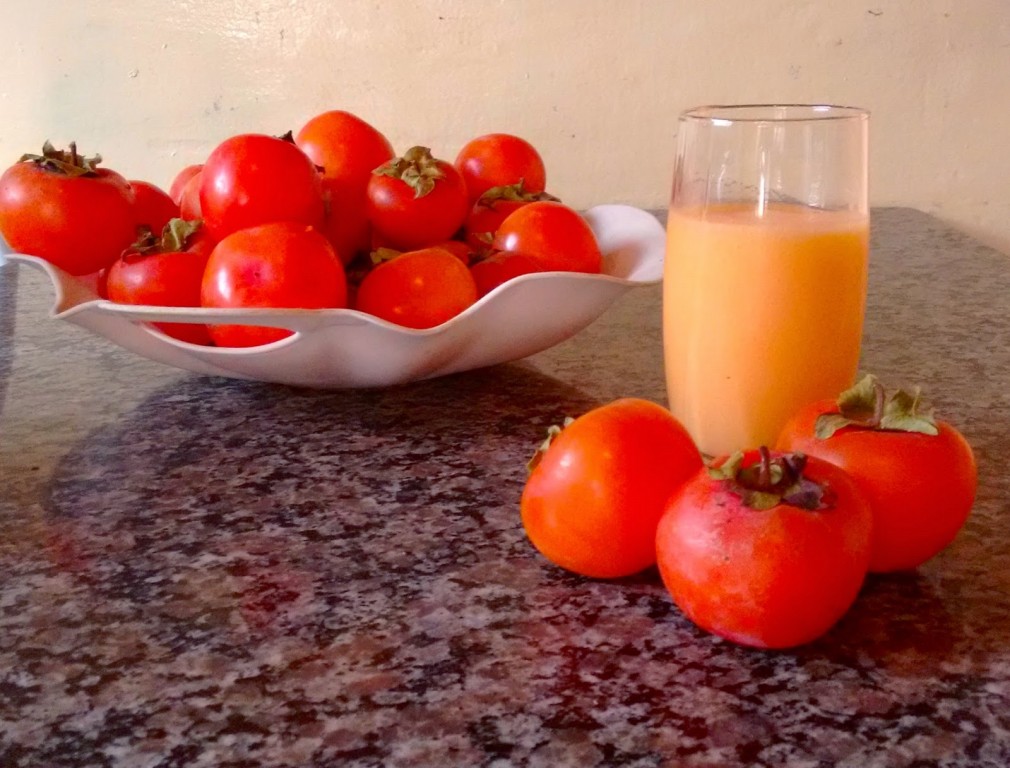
500 159
417 289
164 271
457 248
179 182
600 484
280 265
416 200
493 207
153 208
252 179
766 550
347 226
553 235
499 268
918 473
61 206
189 200
344 146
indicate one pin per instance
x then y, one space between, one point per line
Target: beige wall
595 84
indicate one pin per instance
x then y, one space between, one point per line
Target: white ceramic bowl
344 348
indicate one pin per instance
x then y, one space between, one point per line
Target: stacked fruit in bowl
328 217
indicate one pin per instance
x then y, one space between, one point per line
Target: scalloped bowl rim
631 239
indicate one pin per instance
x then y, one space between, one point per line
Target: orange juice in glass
765 275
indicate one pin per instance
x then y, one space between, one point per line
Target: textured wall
595 84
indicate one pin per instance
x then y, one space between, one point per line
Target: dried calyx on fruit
173 238
771 480
65 161
514 192
418 169
868 406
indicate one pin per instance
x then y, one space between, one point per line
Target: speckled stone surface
203 572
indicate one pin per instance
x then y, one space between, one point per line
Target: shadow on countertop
357 472
244 561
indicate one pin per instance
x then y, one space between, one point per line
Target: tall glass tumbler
765 277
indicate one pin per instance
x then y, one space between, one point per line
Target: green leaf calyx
382 255
867 405
515 193
174 238
66 162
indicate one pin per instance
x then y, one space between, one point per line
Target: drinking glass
764 283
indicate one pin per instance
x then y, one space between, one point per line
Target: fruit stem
879 399
552 432
771 481
764 478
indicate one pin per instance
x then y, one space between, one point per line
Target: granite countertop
206 572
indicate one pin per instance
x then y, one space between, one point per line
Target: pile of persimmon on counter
328 217
769 547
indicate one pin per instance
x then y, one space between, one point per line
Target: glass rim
764 113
